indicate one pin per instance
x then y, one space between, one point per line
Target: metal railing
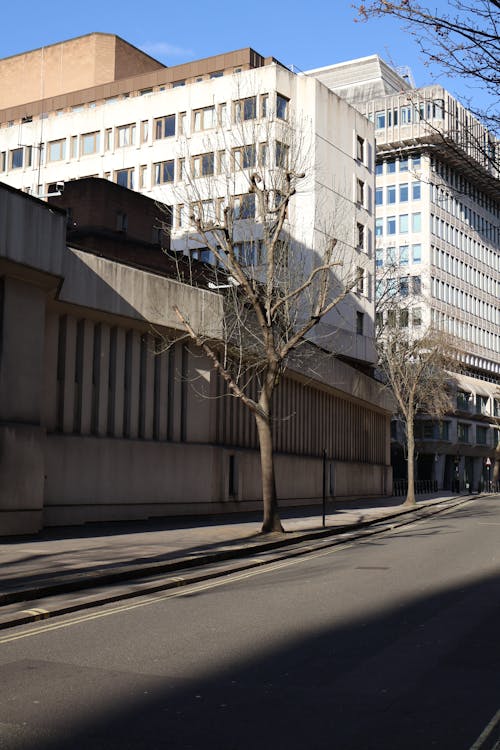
422 486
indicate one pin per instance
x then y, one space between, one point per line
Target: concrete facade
96 423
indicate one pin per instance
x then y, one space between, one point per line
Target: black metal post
324 488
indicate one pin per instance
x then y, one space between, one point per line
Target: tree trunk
410 460
271 520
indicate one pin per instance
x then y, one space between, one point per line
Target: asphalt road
389 643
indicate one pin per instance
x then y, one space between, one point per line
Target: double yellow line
178 592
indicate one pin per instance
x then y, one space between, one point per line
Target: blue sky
304 34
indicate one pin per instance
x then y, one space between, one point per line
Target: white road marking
478 744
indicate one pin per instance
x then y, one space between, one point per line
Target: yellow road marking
195 588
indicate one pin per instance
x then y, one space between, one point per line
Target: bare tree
276 290
413 361
463 41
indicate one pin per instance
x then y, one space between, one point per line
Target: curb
86 582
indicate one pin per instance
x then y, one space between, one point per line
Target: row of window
403 164
167 126
465 331
453 236
394 116
464 301
430 430
481 405
401 224
460 270
398 193
400 256
402 286
479 223
404 318
484 435
464 186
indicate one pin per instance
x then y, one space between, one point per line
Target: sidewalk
69 559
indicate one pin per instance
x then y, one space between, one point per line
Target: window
178 84
281 155
264 105
403 255
463 432
416 162
244 157
379 196
56 150
391 225
416 222
360 319
416 253
263 154
165 127
125 178
221 162
3 161
361 235
143 172
403 192
360 192
281 107
164 172
16 158
403 318
125 136
438 109
391 194
90 143
360 148
416 317
109 139
416 282
223 113
379 227
203 119
380 119
403 165
247 252
73 153
144 131
391 166
415 191
463 400
203 165
360 280
405 115
481 435
205 211
379 257
379 168
217 74
245 109
391 256
183 123
404 286
403 224
244 206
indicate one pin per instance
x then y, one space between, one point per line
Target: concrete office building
110 430
438 224
187 132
